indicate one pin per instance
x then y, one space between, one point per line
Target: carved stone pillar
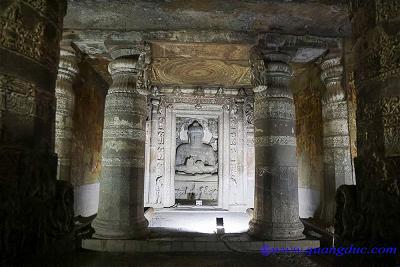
65 97
276 213
336 138
370 211
154 196
121 204
36 210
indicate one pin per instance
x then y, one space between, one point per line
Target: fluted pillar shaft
121 204
65 99
276 214
336 138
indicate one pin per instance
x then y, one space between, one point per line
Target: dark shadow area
88 258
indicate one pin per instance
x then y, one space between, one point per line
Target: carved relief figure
159 187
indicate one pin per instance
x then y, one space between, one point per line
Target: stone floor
184 237
193 230
198 220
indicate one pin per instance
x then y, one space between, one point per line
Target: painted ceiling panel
197 71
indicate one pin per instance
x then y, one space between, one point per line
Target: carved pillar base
276 213
121 204
107 229
276 231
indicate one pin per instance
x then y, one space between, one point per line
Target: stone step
195 245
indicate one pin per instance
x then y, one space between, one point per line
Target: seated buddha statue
195 157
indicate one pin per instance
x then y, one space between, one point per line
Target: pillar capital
68 65
126 50
271 73
331 76
124 66
276 56
277 64
130 64
126 73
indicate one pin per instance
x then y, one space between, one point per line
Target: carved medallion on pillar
276 214
121 204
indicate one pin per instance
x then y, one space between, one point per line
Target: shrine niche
200 146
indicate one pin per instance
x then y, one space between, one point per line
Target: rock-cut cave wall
90 91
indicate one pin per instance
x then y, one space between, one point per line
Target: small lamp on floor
220 226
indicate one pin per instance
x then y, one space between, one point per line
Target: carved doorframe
208 111
238 182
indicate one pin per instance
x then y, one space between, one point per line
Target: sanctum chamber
139 126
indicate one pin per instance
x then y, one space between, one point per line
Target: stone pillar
338 168
276 213
154 196
370 211
34 208
121 204
65 97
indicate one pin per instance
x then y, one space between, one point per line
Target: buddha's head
195 133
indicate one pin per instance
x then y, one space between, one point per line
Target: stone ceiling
204 42
328 18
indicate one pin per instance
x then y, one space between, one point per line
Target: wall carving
374 202
257 71
24 98
36 211
38 42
